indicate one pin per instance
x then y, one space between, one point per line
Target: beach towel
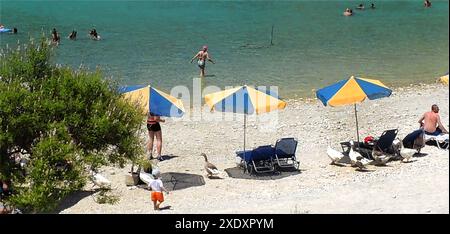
441 141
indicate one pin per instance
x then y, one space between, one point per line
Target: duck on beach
99 180
357 160
380 159
210 168
334 155
406 153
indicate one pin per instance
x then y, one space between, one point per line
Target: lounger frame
285 149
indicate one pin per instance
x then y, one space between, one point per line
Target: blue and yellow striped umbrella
245 100
444 79
153 100
352 91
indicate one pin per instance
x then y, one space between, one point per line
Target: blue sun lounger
258 160
285 153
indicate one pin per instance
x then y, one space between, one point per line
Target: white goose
356 159
209 167
353 154
397 145
146 177
407 153
149 177
333 154
100 180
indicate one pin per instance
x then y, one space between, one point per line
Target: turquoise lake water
151 42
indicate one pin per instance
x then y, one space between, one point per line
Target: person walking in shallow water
201 57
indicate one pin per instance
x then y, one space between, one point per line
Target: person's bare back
201 57
431 121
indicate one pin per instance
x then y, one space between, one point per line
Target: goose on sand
100 180
407 153
211 170
147 178
357 159
334 155
379 158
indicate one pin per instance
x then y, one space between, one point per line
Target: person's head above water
205 48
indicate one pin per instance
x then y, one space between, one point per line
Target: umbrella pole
357 129
245 125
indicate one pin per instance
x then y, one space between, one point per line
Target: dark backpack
408 141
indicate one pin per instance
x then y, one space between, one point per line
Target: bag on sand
414 140
132 178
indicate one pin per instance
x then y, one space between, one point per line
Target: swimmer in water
73 35
55 36
361 7
348 12
94 35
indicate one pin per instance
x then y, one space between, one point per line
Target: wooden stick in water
271 36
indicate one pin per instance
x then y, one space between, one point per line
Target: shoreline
394 88
312 98
421 186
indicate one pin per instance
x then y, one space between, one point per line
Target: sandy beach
421 186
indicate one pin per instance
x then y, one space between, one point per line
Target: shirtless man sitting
431 122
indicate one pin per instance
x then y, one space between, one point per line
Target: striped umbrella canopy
245 100
444 79
153 100
351 91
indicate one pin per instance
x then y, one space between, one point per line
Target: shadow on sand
165 208
168 157
73 199
419 155
176 181
238 173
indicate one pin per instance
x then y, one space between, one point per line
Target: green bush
64 121
145 165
